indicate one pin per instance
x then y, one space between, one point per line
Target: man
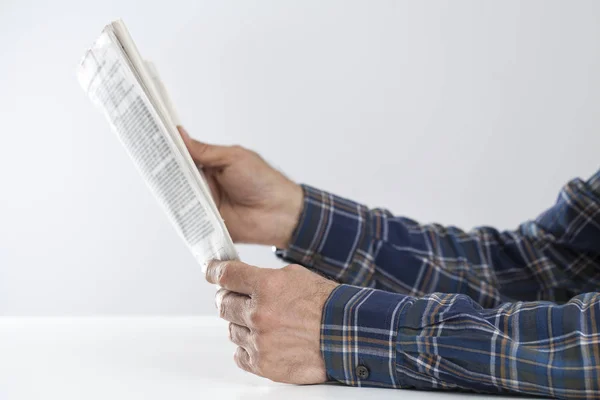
419 306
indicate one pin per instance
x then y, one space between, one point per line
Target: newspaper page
107 76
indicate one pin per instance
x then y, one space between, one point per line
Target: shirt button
362 372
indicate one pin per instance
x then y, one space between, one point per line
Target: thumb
208 155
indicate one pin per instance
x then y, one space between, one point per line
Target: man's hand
275 318
258 203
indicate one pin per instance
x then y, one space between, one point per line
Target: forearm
331 236
359 246
446 341
551 258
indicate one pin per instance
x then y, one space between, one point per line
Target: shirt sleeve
449 342
553 257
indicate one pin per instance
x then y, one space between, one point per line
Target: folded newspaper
129 92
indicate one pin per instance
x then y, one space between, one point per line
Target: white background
463 112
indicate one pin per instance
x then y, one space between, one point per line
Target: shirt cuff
359 335
333 236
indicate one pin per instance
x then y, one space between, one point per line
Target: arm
294 326
447 341
552 258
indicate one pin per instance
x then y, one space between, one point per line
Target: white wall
464 112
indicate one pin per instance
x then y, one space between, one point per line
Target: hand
275 318
258 203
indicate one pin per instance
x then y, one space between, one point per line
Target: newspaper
129 92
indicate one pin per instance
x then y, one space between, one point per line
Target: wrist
289 215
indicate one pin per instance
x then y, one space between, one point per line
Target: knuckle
292 268
261 344
223 273
231 338
257 318
260 364
222 276
237 357
243 359
222 296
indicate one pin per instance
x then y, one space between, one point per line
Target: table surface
145 358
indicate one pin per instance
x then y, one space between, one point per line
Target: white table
144 358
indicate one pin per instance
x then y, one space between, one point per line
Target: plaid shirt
433 307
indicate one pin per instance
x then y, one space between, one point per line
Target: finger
209 175
233 275
239 335
233 307
208 155
242 359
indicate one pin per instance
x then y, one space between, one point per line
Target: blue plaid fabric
434 307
